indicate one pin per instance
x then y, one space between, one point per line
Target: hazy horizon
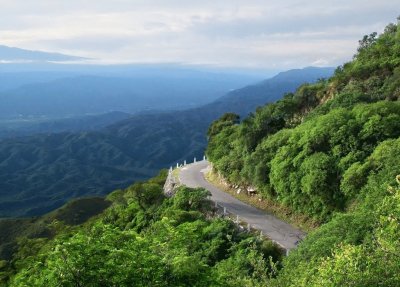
277 35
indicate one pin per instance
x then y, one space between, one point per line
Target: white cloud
252 33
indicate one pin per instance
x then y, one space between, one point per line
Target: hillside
329 151
41 172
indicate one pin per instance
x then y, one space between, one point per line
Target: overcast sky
224 33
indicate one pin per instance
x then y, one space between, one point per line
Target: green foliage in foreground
145 239
353 260
172 243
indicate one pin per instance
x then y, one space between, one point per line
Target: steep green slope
356 249
302 149
41 172
329 151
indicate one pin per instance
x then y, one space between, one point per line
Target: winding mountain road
284 234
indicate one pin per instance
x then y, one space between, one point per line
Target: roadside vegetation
329 151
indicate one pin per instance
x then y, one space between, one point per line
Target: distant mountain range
245 100
11 54
80 95
41 172
130 89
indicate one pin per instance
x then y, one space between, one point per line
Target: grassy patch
175 174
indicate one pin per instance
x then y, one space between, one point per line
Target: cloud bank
225 33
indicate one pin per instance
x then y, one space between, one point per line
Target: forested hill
329 151
41 172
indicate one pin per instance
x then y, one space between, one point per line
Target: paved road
277 230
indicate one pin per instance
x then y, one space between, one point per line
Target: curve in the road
275 229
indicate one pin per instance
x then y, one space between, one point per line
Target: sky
254 34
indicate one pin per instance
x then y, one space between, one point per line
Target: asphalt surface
275 229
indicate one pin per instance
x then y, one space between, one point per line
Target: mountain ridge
95 94
13 54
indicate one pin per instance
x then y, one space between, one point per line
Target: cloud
252 33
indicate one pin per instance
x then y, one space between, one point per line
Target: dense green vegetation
329 151
310 150
145 239
357 249
41 172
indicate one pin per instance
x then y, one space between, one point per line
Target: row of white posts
184 162
237 220
248 226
